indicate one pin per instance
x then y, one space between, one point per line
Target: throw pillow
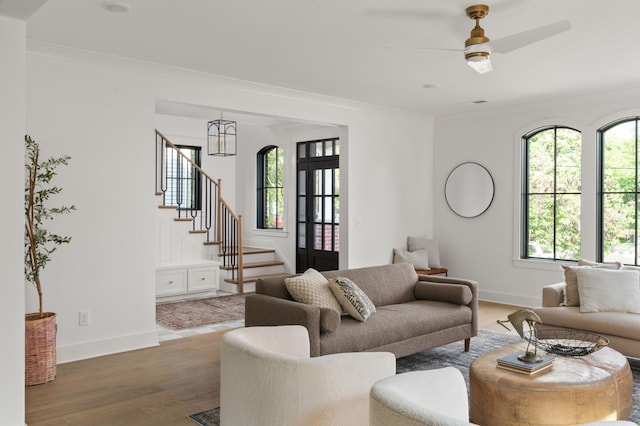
419 258
571 295
418 243
351 297
312 288
603 290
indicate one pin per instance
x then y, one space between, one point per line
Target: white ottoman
431 397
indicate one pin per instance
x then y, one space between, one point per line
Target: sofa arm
451 293
553 294
470 284
262 310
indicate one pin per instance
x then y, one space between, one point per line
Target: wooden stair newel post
240 257
219 212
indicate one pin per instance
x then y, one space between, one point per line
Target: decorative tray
566 342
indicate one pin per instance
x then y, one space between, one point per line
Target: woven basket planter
40 348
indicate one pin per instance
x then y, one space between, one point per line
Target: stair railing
231 232
213 216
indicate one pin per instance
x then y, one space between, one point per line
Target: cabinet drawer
172 281
205 278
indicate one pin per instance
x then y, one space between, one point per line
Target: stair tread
250 250
167 206
247 265
198 231
211 243
182 219
252 278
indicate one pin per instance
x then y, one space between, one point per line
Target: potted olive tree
40 243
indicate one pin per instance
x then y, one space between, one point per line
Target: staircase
258 263
214 221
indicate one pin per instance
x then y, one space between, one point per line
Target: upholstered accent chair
269 378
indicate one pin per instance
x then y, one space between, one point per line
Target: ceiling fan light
481 66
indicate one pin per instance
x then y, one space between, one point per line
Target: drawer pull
171 282
203 278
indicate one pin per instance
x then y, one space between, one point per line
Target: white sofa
622 329
269 378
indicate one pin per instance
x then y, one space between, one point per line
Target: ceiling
342 48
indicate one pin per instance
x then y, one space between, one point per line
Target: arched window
551 188
270 201
618 191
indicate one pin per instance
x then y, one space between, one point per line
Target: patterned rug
199 312
452 355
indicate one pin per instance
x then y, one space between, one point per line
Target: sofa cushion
417 243
607 323
352 299
385 284
572 296
419 258
395 323
603 290
312 288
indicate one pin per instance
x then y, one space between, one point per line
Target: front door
318 206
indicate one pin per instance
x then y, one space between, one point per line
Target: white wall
104 119
101 112
12 111
485 248
390 174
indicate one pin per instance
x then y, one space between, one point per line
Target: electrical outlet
83 318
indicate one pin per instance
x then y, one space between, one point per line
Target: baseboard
95 348
233 288
510 299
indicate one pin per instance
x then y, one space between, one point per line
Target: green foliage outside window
552 198
273 189
619 198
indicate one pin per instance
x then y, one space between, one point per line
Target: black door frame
313 156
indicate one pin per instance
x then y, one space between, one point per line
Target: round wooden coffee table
575 390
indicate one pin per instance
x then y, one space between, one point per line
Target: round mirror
469 190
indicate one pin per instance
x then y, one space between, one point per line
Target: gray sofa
622 329
413 312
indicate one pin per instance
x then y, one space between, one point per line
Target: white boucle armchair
269 378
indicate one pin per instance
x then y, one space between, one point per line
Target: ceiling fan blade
518 40
434 49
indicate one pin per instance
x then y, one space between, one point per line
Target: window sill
541 264
272 233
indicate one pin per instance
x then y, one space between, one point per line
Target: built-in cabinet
186 280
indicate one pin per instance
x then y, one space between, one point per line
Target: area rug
199 312
452 355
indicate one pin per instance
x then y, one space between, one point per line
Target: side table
433 271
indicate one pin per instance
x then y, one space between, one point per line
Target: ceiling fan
478 49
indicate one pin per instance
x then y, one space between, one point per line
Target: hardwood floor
154 386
